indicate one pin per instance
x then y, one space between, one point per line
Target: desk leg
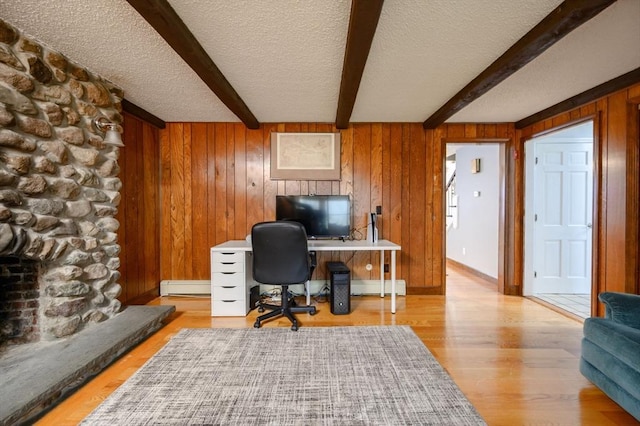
381 273
393 281
307 286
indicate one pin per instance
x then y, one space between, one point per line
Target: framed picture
305 156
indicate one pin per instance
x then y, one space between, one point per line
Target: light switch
476 193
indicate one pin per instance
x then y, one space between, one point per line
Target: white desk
221 270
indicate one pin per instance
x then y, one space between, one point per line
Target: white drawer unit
231 264
229 289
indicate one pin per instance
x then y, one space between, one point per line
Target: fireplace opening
19 301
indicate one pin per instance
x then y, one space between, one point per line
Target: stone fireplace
59 193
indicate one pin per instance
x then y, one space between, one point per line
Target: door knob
588 225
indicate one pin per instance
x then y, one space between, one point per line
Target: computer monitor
323 216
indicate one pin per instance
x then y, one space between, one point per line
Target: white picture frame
305 156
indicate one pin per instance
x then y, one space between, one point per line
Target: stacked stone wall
59 189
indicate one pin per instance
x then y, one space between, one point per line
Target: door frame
596 204
529 178
502 207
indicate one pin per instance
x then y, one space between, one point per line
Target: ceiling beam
168 24
362 27
142 114
560 22
618 83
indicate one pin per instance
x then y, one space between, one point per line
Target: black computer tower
254 297
340 297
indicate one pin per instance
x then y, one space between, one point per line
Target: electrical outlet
378 209
386 267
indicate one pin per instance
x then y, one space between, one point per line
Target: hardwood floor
516 360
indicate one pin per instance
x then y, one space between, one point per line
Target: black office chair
281 257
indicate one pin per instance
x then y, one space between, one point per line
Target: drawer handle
228 301
228 286
227 254
228 273
228 263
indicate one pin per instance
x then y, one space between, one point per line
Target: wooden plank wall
216 184
138 212
617 188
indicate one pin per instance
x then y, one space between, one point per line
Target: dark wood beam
564 19
362 27
618 83
142 114
168 24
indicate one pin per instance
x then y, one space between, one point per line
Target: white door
563 197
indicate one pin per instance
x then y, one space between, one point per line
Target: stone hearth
36 376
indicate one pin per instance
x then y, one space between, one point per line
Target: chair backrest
280 253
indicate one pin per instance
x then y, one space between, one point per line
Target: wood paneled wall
216 185
194 185
138 212
617 189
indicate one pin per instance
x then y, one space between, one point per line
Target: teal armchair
610 356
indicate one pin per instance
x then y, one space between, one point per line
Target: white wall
474 242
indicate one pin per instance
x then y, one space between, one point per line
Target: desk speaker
340 297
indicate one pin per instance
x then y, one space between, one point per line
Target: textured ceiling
602 49
284 57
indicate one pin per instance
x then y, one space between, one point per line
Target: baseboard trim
144 298
358 287
472 271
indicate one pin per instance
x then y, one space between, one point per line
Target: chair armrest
623 308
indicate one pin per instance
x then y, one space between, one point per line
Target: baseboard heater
358 287
179 287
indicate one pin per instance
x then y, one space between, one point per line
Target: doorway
474 188
558 223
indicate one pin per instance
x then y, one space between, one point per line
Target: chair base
287 309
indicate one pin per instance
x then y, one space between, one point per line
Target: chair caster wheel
256 324
261 309
294 327
312 312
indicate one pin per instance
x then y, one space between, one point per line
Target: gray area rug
381 375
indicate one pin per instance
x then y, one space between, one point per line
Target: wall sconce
111 131
475 165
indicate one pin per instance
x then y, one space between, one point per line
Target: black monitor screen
323 216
